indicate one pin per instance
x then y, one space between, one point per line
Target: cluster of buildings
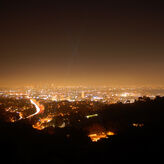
65 106
103 94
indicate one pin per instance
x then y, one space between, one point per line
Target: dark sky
86 42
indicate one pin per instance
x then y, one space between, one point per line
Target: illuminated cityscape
56 106
103 94
81 81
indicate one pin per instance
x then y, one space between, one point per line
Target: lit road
39 108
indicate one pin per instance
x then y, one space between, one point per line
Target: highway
39 108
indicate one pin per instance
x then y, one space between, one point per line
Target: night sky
82 42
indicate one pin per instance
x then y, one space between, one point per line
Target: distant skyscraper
82 95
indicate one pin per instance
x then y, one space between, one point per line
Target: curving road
39 108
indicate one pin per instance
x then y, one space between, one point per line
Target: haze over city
81 81
82 43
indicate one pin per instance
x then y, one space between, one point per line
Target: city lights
97 136
54 107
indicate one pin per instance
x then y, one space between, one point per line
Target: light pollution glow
82 43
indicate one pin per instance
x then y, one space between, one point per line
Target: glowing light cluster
124 94
138 124
97 136
41 124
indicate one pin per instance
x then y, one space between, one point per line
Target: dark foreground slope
20 143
